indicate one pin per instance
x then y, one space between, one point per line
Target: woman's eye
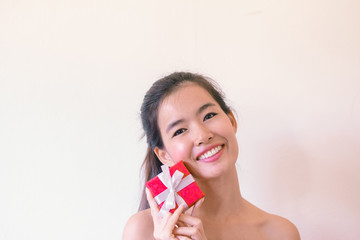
178 132
209 116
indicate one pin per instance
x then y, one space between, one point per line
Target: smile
210 153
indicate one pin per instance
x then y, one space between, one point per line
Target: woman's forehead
187 95
184 103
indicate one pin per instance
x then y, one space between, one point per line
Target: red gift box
174 186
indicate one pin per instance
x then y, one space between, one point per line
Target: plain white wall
73 74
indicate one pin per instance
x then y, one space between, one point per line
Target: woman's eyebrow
200 110
204 107
173 124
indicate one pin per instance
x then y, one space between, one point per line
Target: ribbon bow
174 184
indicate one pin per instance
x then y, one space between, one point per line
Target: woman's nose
202 135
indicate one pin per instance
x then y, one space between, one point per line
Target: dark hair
149 117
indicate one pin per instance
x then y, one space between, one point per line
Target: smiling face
196 130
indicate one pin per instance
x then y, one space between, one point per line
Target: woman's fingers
190 233
182 238
196 210
179 225
187 231
187 220
171 222
164 225
152 203
190 226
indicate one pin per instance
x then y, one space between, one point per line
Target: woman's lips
210 154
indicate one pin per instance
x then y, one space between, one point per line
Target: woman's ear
163 156
233 120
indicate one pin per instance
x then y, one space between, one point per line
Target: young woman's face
196 130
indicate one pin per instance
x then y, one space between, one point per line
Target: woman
186 119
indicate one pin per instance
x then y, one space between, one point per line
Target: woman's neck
222 196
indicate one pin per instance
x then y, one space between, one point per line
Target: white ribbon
174 184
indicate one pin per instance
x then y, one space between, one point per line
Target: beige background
73 74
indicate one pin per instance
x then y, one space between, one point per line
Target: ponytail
150 168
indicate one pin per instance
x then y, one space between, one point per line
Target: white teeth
210 153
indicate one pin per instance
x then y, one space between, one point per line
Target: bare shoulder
279 228
139 226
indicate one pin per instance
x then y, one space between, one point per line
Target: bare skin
246 221
224 213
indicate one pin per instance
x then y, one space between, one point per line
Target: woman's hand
177 225
190 226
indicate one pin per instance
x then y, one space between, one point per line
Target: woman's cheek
180 152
